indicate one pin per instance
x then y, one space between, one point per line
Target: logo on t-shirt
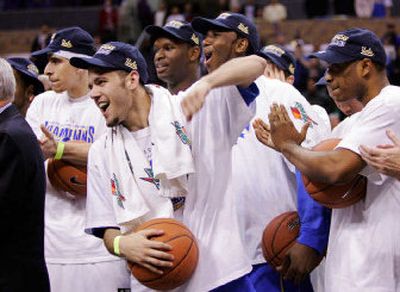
150 177
299 113
181 132
115 190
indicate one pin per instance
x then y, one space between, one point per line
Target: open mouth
103 106
161 67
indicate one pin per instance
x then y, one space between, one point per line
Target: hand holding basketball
140 249
299 261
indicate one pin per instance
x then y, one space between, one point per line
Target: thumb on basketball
149 233
393 137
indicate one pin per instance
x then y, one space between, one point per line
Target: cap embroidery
291 68
131 64
33 69
367 52
106 49
224 15
243 28
66 43
339 40
195 39
174 23
274 50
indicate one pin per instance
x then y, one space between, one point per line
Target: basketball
279 236
64 176
184 250
336 196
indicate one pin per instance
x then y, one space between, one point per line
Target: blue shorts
263 278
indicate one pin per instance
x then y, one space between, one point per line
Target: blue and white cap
115 56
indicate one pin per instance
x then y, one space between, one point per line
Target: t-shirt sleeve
370 130
34 115
99 208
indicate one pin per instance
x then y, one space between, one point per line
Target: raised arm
238 71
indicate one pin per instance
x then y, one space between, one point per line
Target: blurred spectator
364 8
234 6
223 6
393 69
274 12
188 12
145 14
319 96
129 27
108 22
382 8
161 14
344 7
316 8
175 14
250 9
42 39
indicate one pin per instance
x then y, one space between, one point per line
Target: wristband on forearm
116 245
59 151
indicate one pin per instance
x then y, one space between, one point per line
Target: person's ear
194 53
132 80
241 46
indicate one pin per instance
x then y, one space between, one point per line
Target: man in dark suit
22 193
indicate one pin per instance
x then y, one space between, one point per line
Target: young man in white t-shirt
61 118
265 182
117 74
363 251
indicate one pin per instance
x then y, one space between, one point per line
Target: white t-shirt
210 207
68 119
364 242
264 181
209 210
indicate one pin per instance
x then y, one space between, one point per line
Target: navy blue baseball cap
352 45
229 21
28 70
115 56
69 42
280 56
180 30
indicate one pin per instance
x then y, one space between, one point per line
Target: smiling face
345 81
109 91
62 75
219 47
171 59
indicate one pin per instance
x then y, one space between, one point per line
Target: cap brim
41 53
89 62
203 25
37 84
332 57
155 32
321 82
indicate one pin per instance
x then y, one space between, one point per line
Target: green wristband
59 151
116 245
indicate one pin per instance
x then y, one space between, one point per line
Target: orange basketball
340 195
279 236
184 250
64 176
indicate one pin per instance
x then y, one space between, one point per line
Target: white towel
172 156
135 201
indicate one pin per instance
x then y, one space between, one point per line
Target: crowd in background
125 20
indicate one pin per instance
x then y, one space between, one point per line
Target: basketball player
28 84
177 52
117 73
363 251
265 183
60 118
